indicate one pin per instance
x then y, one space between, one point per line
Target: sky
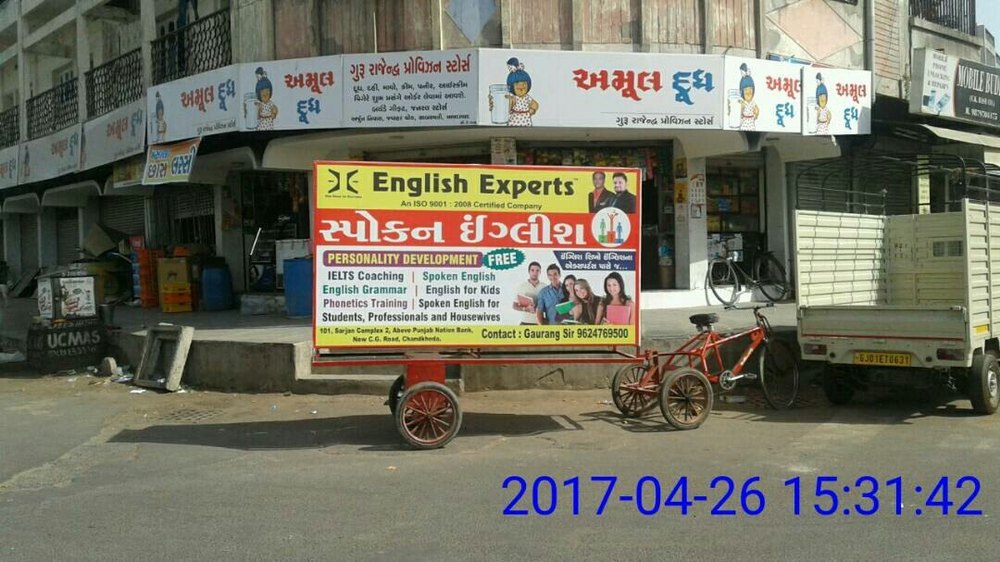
988 14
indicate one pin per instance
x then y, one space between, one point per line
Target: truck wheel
837 386
983 383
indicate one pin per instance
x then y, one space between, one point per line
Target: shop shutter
825 189
124 214
29 243
67 236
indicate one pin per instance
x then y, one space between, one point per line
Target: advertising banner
196 106
530 88
481 256
948 86
837 102
114 136
763 96
128 172
10 159
292 94
170 163
413 89
52 156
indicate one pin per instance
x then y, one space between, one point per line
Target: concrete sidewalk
272 353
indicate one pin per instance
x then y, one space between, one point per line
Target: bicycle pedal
750 376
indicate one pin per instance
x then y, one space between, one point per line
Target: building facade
267 87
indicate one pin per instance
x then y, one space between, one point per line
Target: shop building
642 84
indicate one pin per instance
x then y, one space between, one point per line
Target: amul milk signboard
292 94
955 88
481 256
530 88
196 106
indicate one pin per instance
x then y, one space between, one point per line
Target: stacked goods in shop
144 284
176 297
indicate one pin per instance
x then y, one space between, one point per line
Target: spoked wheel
395 393
723 280
779 374
771 277
984 386
428 415
631 396
686 398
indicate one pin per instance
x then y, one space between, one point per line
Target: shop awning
26 203
988 141
72 195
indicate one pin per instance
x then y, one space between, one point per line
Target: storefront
274 207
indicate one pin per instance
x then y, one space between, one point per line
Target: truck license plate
882 359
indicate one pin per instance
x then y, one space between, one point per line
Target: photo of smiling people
527 295
585 310
549 297
600 197
624 200
564 310
616 307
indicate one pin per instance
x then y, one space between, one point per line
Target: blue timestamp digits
723 496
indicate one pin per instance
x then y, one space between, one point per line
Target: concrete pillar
47 237
82 61
24 82
147 17
12 242
777 210
690 232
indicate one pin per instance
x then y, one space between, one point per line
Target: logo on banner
335 182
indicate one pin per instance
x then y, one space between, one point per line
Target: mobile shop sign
114 136
170 163
837 101
200 105
411 89
763 96
291 94
525 88
451 255
951 87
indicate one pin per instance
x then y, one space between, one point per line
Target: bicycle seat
704 319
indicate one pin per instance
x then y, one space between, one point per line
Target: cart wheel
779 374
395 393
837 385
984 391
686 398
428 415
630 400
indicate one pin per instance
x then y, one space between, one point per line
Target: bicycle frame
699 350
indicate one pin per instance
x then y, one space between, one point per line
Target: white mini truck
908 299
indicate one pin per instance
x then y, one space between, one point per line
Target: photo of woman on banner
616 306
585 312
564 310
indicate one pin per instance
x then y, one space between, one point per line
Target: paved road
89 471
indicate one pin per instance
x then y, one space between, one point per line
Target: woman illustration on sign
267 112
585 311
522 106
823 114
616 307
161 121
748 107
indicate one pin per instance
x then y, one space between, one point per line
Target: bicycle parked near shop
681 381
727 280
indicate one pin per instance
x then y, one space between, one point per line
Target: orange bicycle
681 381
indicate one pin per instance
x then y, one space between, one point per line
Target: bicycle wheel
631 399
779 374
686 398
771 277
723 281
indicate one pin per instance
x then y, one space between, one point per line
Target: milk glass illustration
250 110
500 113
